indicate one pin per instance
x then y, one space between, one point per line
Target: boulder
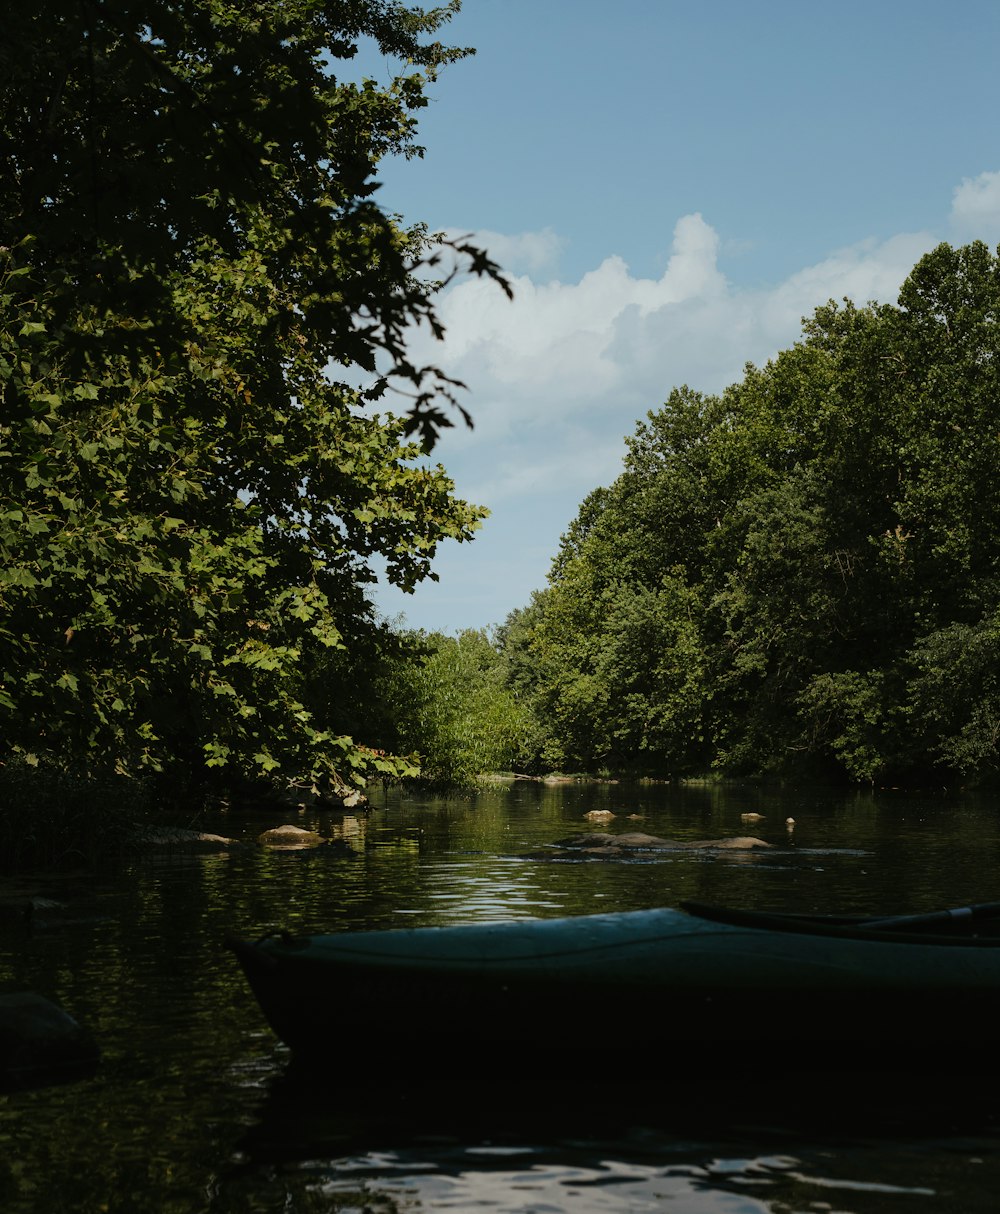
289 836
40 1043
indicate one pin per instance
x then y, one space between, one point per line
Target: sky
671 186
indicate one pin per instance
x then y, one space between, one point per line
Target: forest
800 576
211 432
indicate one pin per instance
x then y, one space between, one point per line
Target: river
194 1107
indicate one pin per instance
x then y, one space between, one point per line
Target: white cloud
553 350
975 207
611 346
559 377
692 269
523 253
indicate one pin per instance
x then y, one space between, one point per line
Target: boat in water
695 990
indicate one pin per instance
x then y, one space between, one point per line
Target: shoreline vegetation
799 577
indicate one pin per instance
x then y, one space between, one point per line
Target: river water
195 1107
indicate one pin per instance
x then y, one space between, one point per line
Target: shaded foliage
52 819
194 277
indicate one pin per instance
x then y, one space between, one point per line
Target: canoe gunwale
850 927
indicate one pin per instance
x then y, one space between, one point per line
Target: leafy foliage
804 572
453 709
194 277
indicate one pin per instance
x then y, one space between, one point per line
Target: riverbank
52 820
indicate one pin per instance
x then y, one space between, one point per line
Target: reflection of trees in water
137 956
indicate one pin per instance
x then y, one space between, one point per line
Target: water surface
196 1108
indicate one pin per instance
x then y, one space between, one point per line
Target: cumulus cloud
559 377
522 253
605 349
975 207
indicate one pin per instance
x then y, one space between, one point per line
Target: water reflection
599 1152
195 1106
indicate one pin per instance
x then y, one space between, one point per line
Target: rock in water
290 836
632 841
40 1043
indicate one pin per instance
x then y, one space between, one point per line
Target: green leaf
265 761
170 350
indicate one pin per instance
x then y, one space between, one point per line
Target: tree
195 277
803 573
452 708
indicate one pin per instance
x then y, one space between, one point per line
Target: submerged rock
179 837
40 1043
21 907
598 844
290 836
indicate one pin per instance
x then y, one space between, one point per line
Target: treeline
800 575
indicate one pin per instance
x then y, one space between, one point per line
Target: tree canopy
802 573
201 306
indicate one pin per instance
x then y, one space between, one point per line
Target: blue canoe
671 989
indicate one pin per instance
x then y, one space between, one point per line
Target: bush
453 710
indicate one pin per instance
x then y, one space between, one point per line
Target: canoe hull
657 993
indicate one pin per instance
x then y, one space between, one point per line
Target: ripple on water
184 1114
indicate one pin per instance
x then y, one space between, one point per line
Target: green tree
452 709
195 275
803 573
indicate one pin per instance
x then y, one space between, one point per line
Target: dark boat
695 990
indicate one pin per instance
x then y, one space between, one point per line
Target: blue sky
671 186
